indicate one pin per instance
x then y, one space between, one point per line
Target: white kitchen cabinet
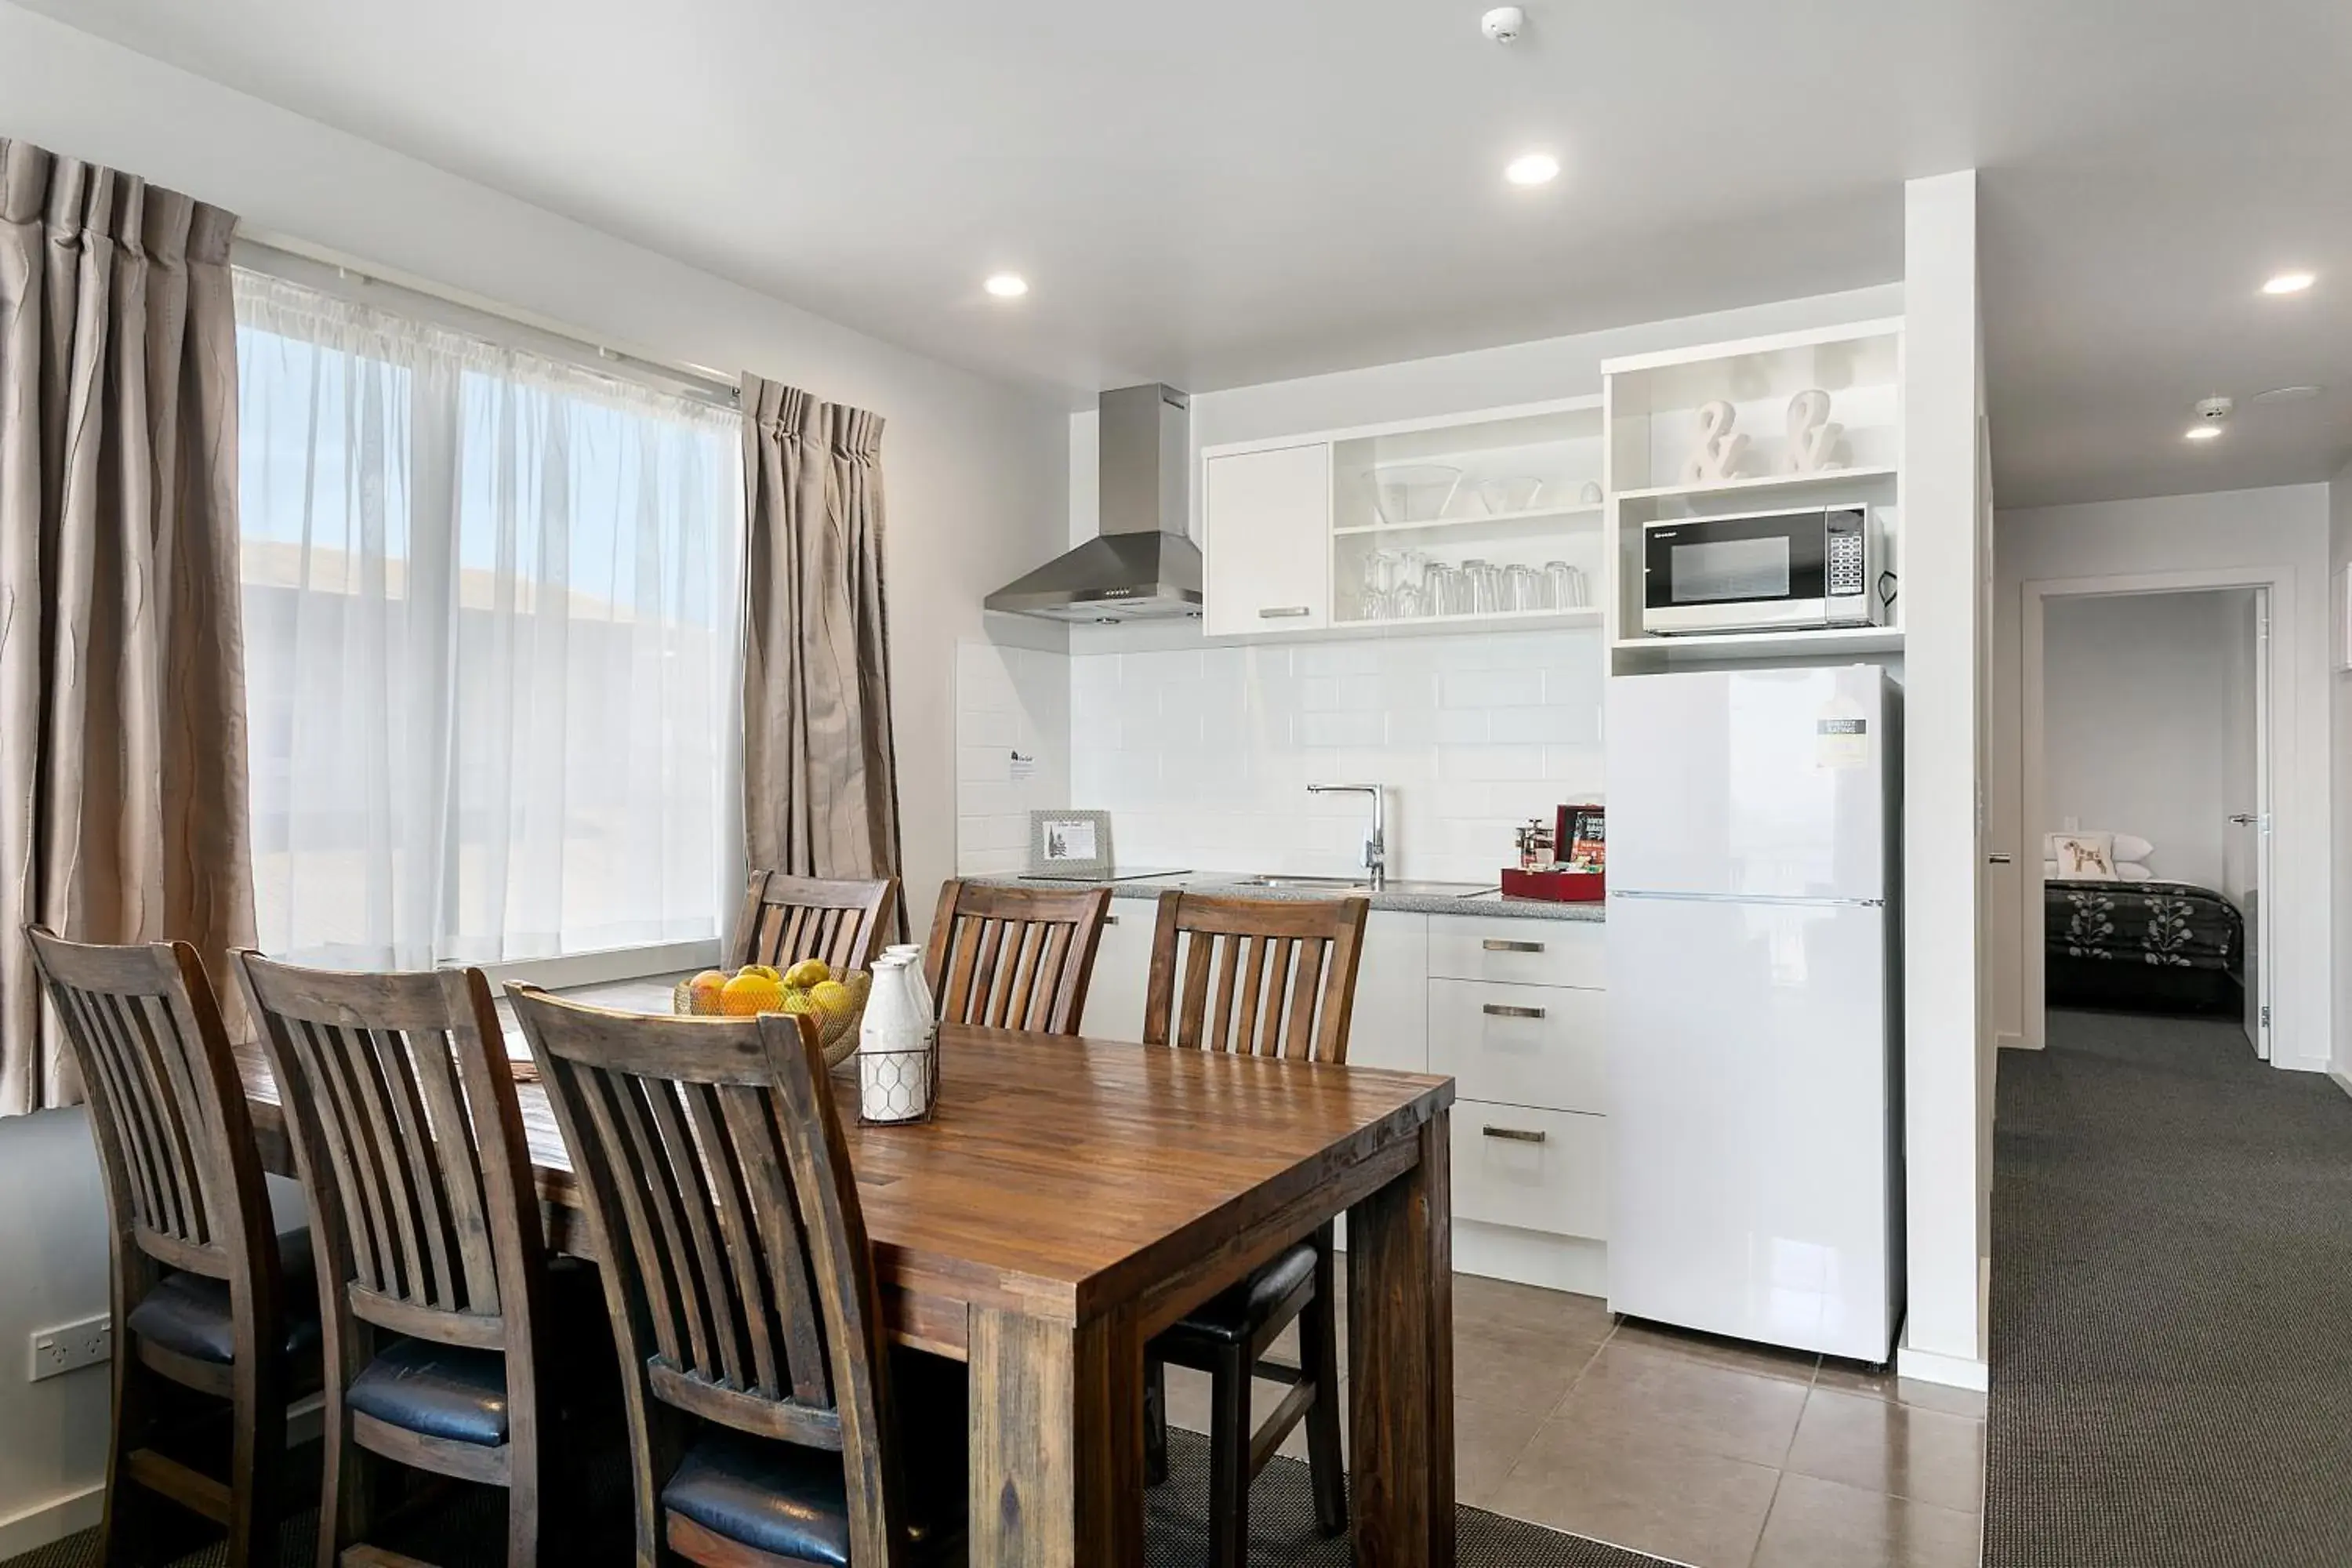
1122 972
1535 1169
1521 1045
1519 951
1389 1027
1267 528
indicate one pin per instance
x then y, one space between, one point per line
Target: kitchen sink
1358 885
1301 882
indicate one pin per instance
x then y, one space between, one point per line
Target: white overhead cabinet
1267 516
1425 525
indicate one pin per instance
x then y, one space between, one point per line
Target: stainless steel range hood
1143 565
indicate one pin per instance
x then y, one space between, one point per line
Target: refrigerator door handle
1750 898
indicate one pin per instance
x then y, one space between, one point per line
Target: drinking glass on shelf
1567 584
1441 589
1485 587
1523 590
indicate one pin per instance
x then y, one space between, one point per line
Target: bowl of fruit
810 986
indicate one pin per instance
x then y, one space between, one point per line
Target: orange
748 993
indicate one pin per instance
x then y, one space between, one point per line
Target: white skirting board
52 1521
1951 1370
1527 1256
62 1516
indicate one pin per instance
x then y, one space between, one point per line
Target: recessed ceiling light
2201 433
1532 169
1006 285
2289 283
2286 394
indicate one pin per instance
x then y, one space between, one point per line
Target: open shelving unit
1651 415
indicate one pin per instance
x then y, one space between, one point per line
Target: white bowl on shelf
1508 493
1413 492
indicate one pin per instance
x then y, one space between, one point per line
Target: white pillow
2125 870
2085 857
2125 846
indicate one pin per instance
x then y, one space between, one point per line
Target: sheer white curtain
492 626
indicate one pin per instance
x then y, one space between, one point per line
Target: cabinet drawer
1539 1170
1520 1045
1523 952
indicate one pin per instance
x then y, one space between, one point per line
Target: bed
2143 946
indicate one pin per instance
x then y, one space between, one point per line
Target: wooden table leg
1056 1441
1400 1362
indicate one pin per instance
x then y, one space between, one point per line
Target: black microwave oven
1773 571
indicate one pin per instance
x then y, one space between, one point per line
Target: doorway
2147 841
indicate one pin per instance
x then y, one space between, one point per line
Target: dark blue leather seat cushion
1233 1315
190 1313
439 1391
777 1497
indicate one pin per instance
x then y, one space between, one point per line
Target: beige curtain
820 781
122 774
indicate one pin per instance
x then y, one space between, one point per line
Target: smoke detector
1504 23
2214 410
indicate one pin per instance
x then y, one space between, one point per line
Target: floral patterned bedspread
2173 925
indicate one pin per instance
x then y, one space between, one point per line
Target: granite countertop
1402 895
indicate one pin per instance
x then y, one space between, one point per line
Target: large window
490 620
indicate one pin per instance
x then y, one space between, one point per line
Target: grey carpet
1282 1530
2171 1304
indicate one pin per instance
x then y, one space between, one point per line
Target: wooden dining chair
1014 958
762 1400
441 1325
207 1296
787 919
1271 978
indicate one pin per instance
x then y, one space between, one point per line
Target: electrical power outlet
69 1347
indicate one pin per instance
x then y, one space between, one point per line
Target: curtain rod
701 379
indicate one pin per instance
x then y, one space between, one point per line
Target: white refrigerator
1754 1037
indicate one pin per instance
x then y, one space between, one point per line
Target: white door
1753 1179
2246 774
1267 540
1757 782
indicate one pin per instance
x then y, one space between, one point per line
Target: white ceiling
1219 192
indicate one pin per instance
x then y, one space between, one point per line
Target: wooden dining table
1070 1199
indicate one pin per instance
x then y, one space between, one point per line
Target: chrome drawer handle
1495 1009
1110 919
1496 945
1515 1134
1281 611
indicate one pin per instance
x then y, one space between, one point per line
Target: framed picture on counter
1069 843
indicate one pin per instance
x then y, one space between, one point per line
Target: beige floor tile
1482 1303
1792 1366
1638 1394
1647 1495
1884 1445
1821 1524
1489 1440
1851 1377
1518 1368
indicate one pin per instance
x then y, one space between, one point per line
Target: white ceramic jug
912 952
894 1038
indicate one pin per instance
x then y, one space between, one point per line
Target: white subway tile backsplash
1203 756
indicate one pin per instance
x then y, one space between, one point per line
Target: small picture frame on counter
1073 844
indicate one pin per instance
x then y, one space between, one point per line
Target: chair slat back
720 1191
787 919
411 1142
1015 958
174 1131
1262 976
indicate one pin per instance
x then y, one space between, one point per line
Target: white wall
1203 755
1946 1053
2282 530
53 1265
974 468
1013 752
2339 704
2137 706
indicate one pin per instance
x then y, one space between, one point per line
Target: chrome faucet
1376 847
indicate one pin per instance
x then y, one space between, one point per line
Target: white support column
1947 1088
